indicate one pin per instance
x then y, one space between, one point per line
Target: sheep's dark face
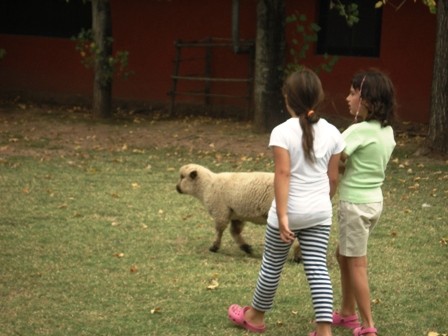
187 183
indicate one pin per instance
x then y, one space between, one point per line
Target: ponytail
306 122
303 92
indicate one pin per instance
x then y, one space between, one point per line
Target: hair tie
310 113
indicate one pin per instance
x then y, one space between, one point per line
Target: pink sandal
350 322
363 331
236 315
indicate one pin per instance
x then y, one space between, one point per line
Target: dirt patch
53 130
46 130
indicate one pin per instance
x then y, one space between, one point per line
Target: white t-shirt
309 201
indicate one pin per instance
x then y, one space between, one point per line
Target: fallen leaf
213 284
156 310
134 269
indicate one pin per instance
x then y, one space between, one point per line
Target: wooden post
174 77
208 72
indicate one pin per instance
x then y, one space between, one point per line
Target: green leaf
291 18
315 27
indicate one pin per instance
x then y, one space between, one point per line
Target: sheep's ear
193 174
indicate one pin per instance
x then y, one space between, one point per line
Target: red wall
407 52
42 65
148 29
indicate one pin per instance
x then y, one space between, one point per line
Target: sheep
230 197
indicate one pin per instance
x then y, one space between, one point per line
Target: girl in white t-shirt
306 152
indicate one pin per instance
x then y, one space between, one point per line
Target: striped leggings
314 244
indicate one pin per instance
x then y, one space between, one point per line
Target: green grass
100 243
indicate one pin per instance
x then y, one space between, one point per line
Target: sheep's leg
236 228
297 253
219 229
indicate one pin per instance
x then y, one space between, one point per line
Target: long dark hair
378 95
303 93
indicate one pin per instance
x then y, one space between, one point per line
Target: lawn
95 240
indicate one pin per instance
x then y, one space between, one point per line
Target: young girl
369 146
306 153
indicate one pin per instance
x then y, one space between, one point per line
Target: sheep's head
191 180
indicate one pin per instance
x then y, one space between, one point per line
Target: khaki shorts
356 221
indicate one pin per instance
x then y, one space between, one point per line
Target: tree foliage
431 4
117 63
95 47
304 35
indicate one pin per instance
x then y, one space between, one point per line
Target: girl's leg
348 305
358 272
274 258
314 245
358 220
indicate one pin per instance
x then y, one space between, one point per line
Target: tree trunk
438 124
269 62
102 85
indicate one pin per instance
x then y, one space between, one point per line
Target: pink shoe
236 315
350 322
363 331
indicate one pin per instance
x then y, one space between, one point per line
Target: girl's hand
285 233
